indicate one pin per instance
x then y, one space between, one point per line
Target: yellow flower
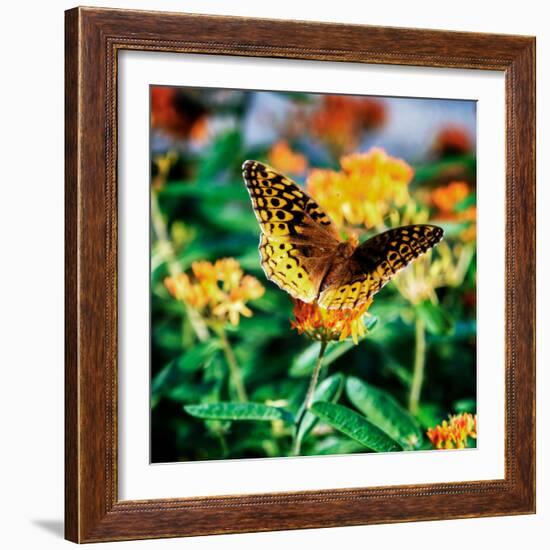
218 291
365 190
287 161
229 272
232 307
329 324
454 433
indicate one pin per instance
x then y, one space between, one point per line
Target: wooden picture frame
93 511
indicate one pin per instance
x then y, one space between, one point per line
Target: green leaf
218 193
168 339
224 152
168 381
385 412
464 204
426 172
198 355
336 445
229 216
239 411
185 392
465 405
390 309
328 390
402 373
355 426
437 320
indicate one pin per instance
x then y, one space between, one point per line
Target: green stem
419 363
223 444
297 444
308 401
314 378
234 370
164 248
157 219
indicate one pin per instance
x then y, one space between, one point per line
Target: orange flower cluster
341 119
177 114
283 158
452 140
454 434
362 193
447 198
219 291
329 324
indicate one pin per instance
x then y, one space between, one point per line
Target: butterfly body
303 254
338 264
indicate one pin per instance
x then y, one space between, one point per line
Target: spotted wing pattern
281 206
298 239
374 263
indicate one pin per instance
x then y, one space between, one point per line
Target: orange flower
182 289
365 190
218 291
287 161
454 434
232 307
341 119
452 140
329 324
446 198
251 287
205 271
229 272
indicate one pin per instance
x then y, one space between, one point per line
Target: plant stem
297 443
308 401
234 369
157 220
198 324
419 363
314 378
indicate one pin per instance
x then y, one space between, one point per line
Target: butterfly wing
374 263
298 239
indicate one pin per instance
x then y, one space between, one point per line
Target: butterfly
301 250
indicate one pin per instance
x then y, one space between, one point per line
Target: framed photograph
300 275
